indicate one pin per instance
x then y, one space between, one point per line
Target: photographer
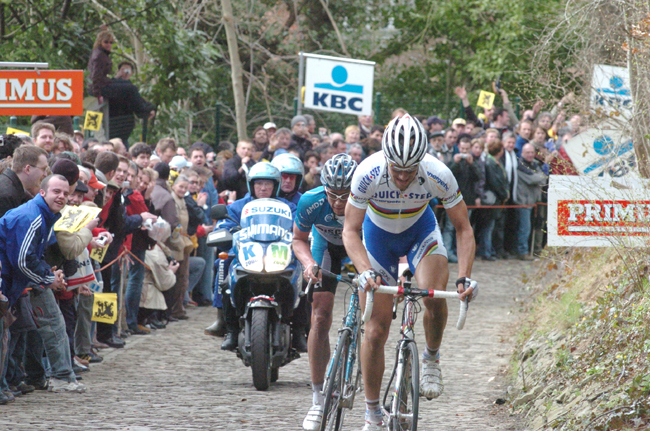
467 174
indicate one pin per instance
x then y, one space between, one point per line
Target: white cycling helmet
405 141
337 172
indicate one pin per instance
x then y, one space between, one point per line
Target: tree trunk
235 69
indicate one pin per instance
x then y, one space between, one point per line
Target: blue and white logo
338 85
340 77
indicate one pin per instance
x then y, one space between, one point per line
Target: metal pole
13 121
75 123
377 107
301 79
217 125
296 102
122 312
23 65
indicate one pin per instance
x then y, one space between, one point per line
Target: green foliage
423 48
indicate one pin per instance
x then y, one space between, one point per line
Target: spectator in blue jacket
25 232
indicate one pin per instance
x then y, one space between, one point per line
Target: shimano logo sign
338 85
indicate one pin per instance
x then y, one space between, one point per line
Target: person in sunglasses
389 199
321 212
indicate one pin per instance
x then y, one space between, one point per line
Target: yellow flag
12 131
98 253
105 307
93 120
74 218
485 100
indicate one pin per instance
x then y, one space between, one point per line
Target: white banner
339 84
603 150
610 90
598 212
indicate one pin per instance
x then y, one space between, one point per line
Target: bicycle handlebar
399 290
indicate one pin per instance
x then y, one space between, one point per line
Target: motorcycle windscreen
266 220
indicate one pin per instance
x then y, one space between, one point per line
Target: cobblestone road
178 379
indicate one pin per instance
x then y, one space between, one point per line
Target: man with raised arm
321 212
390 198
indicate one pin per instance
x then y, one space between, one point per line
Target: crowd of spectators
155 202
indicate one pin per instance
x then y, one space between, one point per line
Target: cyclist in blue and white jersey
321 212
389 199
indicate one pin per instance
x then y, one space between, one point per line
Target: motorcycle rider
321 212
263 182
292 171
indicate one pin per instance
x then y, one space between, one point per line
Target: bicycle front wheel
332 410
405 400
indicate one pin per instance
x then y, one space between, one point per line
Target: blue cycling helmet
290 164
263 171
337 172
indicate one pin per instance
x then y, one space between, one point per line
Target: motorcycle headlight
250 256
278 256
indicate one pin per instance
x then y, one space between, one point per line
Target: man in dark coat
236 168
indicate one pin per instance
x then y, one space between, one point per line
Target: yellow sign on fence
105 308
93 121
485 100
74 218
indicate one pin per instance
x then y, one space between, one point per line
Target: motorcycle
262 282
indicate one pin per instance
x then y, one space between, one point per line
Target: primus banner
598 212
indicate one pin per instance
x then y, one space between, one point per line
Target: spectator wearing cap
436 124
270 128
63 254
438 148
365 125
299 137
236 168
94 187
115 219
176 166
459 125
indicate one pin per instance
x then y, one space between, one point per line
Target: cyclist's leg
384 260
321 315
429 265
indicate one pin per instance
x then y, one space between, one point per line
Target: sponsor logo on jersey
439 182
368 178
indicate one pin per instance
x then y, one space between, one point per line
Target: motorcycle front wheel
260 349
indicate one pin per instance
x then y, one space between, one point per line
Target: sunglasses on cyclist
342 197
408 170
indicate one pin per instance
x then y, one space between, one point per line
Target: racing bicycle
343 375
401 411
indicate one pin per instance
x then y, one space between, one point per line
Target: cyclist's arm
464 238
301 247
352 241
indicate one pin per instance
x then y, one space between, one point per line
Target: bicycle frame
352 323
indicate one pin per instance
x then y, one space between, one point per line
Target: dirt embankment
581 361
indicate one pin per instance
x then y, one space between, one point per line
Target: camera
102 240
148 224
464 155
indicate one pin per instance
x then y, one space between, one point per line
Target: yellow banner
485 100
74 218
105 308
12 131
93 120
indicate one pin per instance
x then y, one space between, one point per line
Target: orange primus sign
43 92
603 217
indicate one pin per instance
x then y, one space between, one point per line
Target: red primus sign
44 92
603 218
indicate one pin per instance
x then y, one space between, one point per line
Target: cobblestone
179 379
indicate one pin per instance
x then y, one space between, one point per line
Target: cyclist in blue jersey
321 212
292 170
389 199
263 182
